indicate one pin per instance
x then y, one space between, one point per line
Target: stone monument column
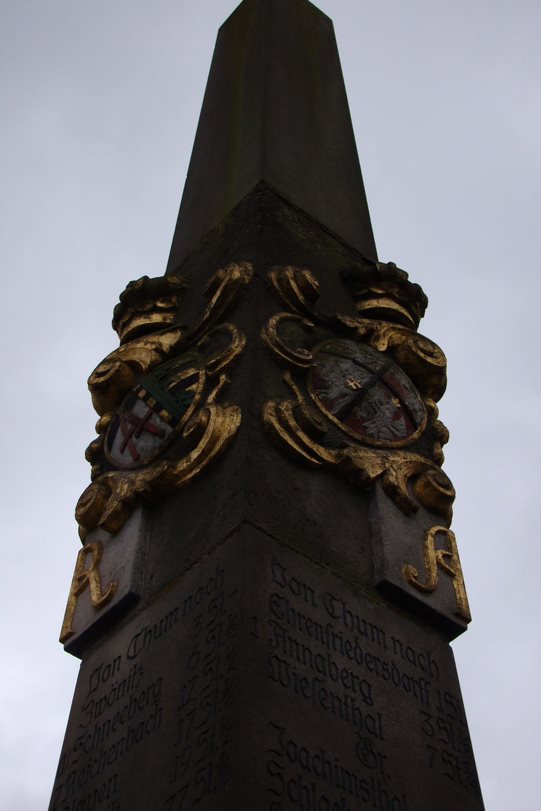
268 583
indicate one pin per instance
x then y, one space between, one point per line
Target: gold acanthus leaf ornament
160 423
305 341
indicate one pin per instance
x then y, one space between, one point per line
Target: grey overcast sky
99 103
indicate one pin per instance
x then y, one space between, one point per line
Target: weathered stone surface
282 691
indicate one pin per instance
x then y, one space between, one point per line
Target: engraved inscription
311 777
340 663
119 713
166 697
318 698
447 741
201 763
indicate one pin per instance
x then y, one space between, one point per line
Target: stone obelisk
268 582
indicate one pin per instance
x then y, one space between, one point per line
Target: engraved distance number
201 764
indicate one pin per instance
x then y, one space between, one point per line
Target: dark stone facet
275 110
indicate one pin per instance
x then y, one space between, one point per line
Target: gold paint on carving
119 371
109 500
441 432
309 419
147 321
280 419
293 426
222 290
84 578
447 560
434 489
113 378
221 360
421 359
386 306
222 382
147 305
297 356
297 288
410 479
382 290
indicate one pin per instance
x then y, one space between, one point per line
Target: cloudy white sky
99 102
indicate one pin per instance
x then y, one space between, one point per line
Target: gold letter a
448 561
84 578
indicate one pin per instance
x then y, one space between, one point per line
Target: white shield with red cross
152 413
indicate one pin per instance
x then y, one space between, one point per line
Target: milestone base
260 680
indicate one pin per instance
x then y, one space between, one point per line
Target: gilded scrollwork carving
146 305
300 430
381 290
118 372
222 291
157 395
297 288
363 390
274 334
109 501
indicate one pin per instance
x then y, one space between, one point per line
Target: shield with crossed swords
366 394
154 412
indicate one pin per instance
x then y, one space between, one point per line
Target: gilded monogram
86 576
446 560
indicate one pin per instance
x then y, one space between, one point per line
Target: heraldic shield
154 413
167 427
366 394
